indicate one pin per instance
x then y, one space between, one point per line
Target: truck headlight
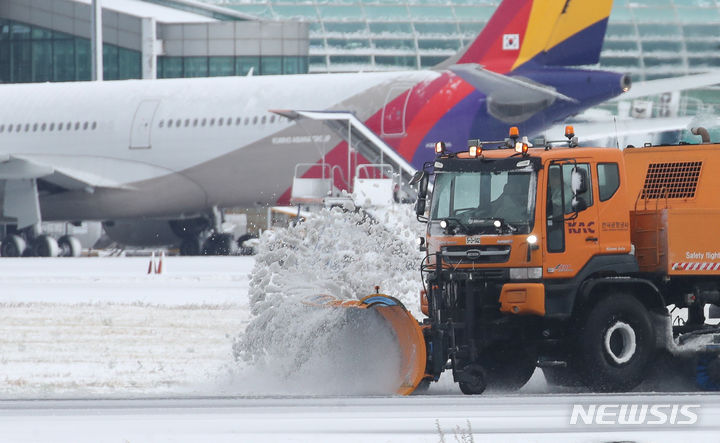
525 273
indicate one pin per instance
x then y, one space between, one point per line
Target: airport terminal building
49 40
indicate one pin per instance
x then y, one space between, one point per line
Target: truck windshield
475 200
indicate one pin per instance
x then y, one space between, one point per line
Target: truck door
142 124
571 238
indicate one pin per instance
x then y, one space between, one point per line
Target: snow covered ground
104 327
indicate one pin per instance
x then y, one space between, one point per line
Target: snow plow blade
406 329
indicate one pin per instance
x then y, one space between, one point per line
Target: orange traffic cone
160 263
150 265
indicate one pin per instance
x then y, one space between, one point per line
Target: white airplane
157 160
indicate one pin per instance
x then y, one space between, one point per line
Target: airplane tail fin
540 32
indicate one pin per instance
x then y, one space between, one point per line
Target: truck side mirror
578 204
420 207
579 181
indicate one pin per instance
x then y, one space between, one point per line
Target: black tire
615 344
69 246
45 246
13 246
474 380
508 369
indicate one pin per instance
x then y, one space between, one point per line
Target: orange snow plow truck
567 258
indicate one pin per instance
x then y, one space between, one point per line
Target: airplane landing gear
69 246
13 246
44 246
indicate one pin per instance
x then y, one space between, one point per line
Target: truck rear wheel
615 344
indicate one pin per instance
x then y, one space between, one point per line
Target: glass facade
646 38
33 54
176 67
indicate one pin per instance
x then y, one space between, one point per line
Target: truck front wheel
615 344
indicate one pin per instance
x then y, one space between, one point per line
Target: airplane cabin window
27 127
68 126
2 128
220 121
178 123
247 120
85 126
43 127
238 121
228 121
262 120
10 128
255 120
204 121
51 127
187 122
77 125
94 125
195 122
212 122
35 126
272 119
169 123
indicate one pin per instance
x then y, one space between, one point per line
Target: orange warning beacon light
514 132
569 131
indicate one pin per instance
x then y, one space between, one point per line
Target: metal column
96 40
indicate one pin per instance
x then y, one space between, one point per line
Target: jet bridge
361 138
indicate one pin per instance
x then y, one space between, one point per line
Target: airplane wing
14 167
655 87
505 88
601 130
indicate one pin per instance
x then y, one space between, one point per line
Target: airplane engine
142 232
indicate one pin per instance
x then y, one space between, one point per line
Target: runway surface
510 418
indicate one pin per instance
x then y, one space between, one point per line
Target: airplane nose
625 83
